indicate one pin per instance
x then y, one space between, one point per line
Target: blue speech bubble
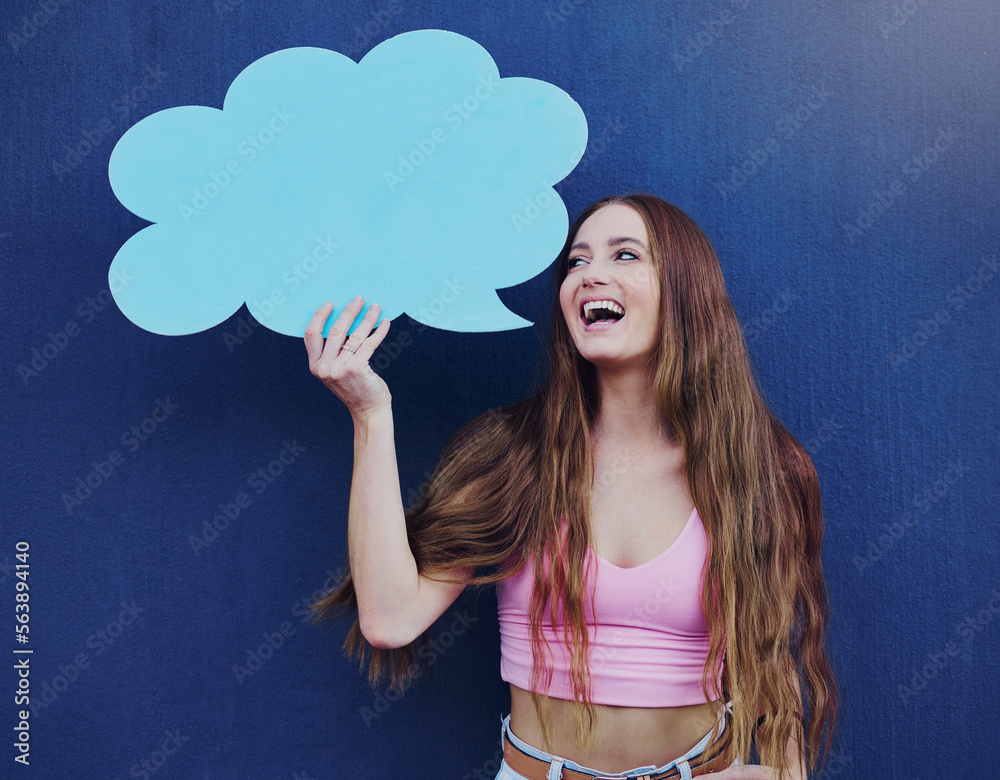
417 178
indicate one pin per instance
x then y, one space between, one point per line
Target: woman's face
610 261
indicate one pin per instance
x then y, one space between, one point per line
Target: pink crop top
649 642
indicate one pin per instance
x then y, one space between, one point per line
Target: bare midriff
623 737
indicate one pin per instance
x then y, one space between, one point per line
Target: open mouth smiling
600 313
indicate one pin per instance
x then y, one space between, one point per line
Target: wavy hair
507 478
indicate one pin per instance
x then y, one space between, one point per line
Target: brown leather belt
537 769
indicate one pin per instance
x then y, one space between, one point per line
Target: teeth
591 305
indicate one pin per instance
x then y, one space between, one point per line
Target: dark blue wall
842 159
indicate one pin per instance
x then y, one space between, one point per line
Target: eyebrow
611 242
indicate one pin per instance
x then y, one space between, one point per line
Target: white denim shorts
558 762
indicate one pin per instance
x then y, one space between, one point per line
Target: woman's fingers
369 344
338 333
347 373
357 339
314 333
360 341
335 339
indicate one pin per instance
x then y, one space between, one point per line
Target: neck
627 413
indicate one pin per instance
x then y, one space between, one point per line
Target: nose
595 272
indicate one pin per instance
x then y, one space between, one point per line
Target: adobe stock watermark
414 495
763 322
152 763
42 356
667 589
389 350
301 608
693 393
901 14
248 149
597 146
97 643
462 618
223 8
258 480
929 495
245 328
939 660
913 170
257 657
322 250
7 569
535 205
455 116
35 23
131 440
824 435
378 21
488 769
959 296
275 640
786 126
712 30
621 463
417 493
836 764
559 12
92 138
429 314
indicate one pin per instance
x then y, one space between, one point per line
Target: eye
571 261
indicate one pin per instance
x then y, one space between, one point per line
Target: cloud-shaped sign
417 178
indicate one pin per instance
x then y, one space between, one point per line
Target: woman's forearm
382 565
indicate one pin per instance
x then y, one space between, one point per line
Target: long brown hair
507 478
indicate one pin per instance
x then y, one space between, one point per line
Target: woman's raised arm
395 603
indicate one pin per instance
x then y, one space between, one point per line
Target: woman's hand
348 375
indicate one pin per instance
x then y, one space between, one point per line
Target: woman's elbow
382 637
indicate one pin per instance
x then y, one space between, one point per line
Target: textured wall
842 159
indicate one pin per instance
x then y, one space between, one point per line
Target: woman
647 453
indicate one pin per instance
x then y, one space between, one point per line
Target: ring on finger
347 348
